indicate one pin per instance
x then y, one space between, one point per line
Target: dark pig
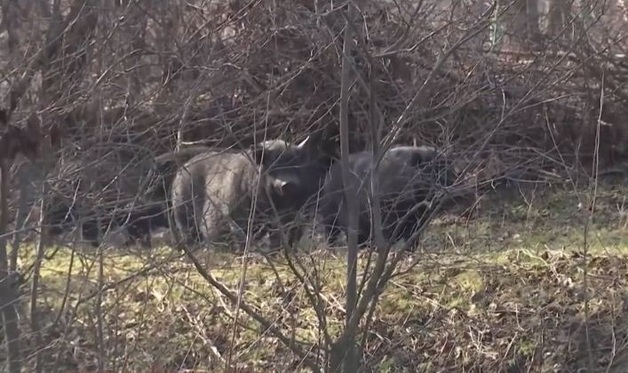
407 178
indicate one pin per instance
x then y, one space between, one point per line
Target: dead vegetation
100 88
510 300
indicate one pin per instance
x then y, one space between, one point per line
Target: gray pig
215 190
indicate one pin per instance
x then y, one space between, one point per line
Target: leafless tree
96 90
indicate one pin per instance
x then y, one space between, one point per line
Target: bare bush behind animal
93 189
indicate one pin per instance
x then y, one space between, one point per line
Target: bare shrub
96 91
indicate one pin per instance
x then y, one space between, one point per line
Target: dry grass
503 293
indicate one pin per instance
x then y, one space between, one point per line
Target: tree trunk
515 22
8 280
532 21
28 176
557 18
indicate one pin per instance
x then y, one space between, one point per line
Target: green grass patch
487 294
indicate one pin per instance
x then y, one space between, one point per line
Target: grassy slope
500 292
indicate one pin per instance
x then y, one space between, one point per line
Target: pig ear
262 153
304 143
283 186
279 185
